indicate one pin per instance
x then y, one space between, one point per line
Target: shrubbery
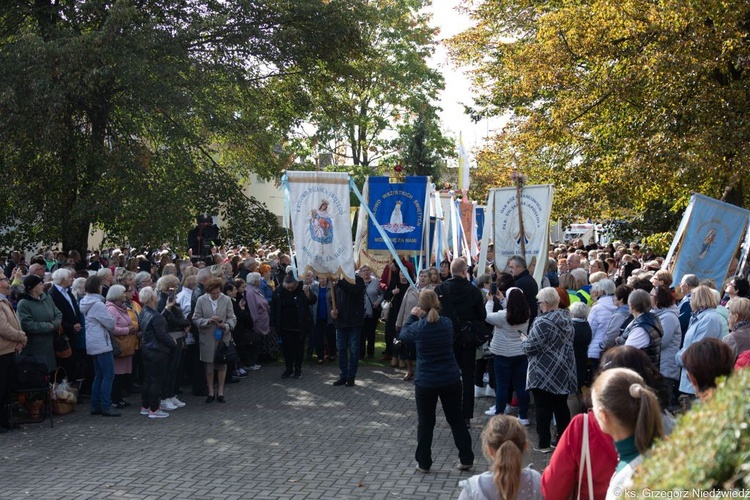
710 447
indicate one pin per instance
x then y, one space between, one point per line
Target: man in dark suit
66 302
462 302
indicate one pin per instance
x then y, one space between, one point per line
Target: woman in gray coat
215 319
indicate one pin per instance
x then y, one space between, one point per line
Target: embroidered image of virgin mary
708 241
321 225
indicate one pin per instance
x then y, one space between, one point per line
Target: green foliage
423 147
659 242
135 116
710 447
621 106
357 118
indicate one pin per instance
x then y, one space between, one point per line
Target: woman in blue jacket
437 376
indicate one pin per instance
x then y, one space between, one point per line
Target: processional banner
400 211
708 237
536 206
317 204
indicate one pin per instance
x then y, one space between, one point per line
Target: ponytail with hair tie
636 390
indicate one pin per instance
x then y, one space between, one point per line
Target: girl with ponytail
504 441
629 411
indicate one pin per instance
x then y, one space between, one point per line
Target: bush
709 448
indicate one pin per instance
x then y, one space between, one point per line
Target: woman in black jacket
156 347
437 377
290 315
395 294
177 326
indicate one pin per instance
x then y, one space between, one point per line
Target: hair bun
636 390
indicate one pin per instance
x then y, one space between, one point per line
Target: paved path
273 439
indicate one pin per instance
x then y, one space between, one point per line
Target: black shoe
350 382
340 381
121 404
287 374
210 399
110 413
221 399
297 375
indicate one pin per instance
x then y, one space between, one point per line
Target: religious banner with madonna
399 209
707 239
317 205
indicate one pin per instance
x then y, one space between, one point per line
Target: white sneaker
490 412
157 414
176 402
524 421
253 367
167 405
144 410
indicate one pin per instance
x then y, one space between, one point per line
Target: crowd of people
608 348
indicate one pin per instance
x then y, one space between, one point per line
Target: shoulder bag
585 460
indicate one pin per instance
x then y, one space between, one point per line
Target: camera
493 289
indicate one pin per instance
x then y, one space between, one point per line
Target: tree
620 106
133 115
423 148
357 118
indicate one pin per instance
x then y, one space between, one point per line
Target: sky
457 85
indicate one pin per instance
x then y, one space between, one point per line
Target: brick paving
273 439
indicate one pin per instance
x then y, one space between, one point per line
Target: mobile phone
171 296
493 289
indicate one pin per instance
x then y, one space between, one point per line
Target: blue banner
480 223
399 209
711 238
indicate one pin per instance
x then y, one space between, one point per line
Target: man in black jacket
71 324
462 303
349 316
524 281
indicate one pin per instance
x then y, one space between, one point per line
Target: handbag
61 344
221 353
126 343
116 352
385 308
585 460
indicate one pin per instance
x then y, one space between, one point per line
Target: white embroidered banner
317 204
536 204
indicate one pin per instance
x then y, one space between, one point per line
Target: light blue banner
711 238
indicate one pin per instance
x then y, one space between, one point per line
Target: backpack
31 372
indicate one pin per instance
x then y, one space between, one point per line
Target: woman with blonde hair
705 322
504 441
437 376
